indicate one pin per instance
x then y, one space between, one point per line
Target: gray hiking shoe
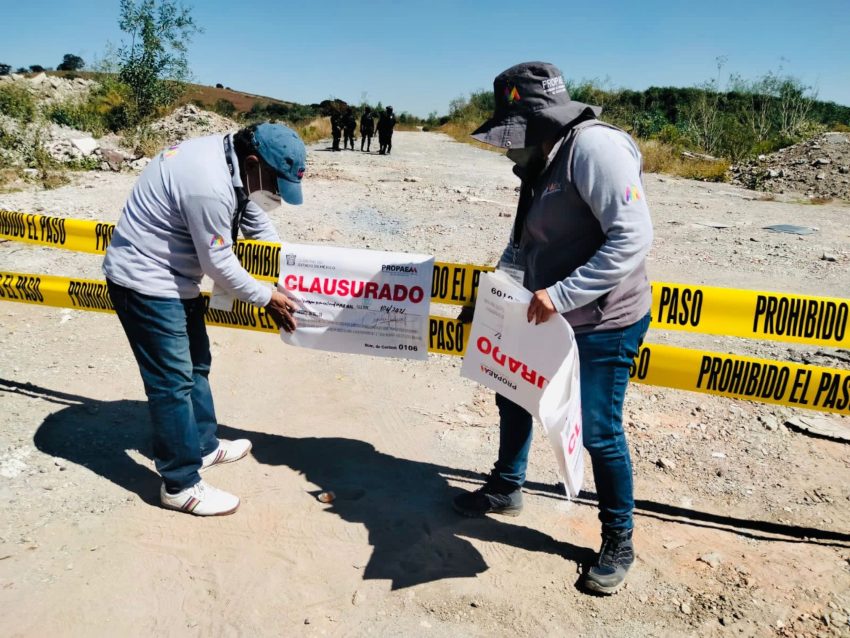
615 557
490 498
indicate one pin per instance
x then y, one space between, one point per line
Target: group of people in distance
344 124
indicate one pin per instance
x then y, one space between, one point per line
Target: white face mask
265 199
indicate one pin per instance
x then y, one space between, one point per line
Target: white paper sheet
535 366
358 301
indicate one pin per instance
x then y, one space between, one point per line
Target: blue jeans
605 358
170 343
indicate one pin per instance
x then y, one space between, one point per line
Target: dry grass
819 200
11 180
314 130
663 158
460 131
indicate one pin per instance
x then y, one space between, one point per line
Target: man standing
336 129
179 223
367 128
349 124
581 236
386 124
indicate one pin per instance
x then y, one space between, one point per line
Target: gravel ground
742 524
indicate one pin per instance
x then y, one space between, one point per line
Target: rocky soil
743 525
817 168
73 147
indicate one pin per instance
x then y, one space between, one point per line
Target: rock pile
819 167
191 121
49 89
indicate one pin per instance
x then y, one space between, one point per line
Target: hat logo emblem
300 173
512 94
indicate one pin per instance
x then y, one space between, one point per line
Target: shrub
224 107
145 141
17 102
107 108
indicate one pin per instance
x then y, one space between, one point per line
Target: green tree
71 62
5 69
153 63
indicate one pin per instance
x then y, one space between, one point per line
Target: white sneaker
202 499
227 452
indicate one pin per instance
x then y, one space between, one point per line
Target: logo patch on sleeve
216 241
171 151
632 194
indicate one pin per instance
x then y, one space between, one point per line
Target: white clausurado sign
358 301
535 366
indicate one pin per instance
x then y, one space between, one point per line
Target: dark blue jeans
605 358
170 343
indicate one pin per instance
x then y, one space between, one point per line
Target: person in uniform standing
349 124
336 129
386 124
367 128
581 236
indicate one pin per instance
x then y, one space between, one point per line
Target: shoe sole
181 510
244 454
596 588
512 513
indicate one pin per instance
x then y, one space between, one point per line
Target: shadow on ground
403 504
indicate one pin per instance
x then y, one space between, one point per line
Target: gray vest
561 233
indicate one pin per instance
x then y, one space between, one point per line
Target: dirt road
745 530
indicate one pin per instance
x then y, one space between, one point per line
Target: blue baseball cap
282 149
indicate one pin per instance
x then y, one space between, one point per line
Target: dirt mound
190 121
817 168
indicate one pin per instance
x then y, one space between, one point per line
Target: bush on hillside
17 102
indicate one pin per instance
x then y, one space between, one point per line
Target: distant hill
208 96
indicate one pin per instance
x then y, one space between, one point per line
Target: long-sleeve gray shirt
607 174
177 226
588 229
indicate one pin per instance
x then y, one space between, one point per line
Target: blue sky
418 56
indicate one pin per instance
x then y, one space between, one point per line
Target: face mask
523 157
265 199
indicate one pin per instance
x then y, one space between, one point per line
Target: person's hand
466 314
282 310
541 307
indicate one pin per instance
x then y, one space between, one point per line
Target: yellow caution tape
71 234
763 380
752 314
821 321
455 284
791 384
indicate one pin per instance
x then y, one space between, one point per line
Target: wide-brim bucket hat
532 103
